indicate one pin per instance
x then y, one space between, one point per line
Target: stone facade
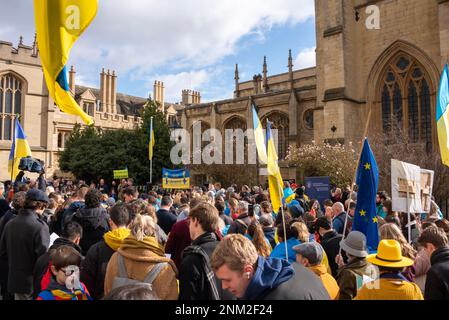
45 125
333 101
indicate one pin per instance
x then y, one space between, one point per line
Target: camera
31 164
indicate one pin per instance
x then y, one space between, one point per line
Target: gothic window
406 100
234 124
10 104
280 122
308 119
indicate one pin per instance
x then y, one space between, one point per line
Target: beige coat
139 260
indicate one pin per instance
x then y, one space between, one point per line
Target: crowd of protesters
73 241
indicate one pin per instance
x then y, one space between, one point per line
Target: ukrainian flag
151 142
443 116
275 182
259 137
19 150
59 23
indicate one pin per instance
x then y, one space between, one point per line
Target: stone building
23 91
392 70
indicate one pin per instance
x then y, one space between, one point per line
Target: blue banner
318 188
175 179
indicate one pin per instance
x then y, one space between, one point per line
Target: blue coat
279 250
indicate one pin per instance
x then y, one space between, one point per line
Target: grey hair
243 206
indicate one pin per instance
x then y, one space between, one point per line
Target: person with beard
70 236
381 197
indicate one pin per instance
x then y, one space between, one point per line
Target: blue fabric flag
365 217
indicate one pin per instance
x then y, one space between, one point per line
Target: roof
126 104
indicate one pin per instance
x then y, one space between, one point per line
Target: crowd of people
73 241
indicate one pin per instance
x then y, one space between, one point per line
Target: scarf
114 238
148 243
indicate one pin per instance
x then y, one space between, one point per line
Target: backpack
122 278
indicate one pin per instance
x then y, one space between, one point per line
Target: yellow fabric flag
19 149
275 182
151 145
59 23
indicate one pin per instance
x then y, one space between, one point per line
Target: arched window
280 122
235 124
406 99
10 104
197 134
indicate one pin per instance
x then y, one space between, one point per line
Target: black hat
299 191
322 222
36 195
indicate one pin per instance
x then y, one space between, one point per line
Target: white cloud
175 83
305 59
138 38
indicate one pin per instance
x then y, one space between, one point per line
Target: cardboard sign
405 187
121 174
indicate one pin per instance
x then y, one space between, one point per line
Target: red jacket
178 240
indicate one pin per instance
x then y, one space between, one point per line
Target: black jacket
24 240
437 281
238 227
165 219
9 215
42 264
4 207
193 282
93 268
95 224
331 245
304 285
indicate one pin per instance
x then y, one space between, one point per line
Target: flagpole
408 215
14 156
151 146
365 132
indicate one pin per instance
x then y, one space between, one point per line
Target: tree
400 147
335 161
92 153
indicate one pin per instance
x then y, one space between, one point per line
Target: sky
187 44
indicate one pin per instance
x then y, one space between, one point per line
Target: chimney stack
103 91
113 92
158 93
108 92
72 80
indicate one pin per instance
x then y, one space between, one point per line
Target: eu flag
365 217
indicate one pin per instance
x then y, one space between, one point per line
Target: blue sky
188 44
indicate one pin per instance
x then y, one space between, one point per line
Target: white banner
405 187
426 189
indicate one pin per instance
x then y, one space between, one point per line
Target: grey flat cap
312 251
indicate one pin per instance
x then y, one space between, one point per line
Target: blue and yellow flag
151 142
19 150
443 116
59 23
365 216
259 137
275 183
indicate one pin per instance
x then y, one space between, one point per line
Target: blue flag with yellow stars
365 217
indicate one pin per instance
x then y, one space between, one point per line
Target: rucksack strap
152 275
121 266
